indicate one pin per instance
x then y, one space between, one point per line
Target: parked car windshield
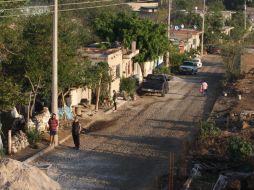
155 77
187 63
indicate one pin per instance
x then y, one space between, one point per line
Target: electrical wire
13 1
99 6
65 10
47 6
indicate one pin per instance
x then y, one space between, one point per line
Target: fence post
9 142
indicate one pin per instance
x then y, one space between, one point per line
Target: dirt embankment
229 152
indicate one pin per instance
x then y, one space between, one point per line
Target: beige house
114 58
128 65
149 66
120 63
190 37
227 30
77 94
227 15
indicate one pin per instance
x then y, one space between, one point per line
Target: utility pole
245 15
54 103
169 18
169 28
203 30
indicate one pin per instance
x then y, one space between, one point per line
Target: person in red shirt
53 124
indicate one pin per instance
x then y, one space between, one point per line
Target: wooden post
98 94
9 142
171 171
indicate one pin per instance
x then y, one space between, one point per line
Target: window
118 71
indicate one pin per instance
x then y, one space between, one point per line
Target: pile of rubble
40 121
18 142
244 118
17 175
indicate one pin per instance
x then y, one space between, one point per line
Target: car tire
163 93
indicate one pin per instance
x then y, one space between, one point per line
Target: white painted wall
80 93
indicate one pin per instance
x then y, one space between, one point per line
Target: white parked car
197 61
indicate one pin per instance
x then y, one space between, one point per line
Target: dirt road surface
131 147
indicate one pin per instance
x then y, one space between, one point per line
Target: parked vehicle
197 61
211 49
155 84
189 67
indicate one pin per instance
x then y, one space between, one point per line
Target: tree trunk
28 110
98 92
33 104
63 105
142 68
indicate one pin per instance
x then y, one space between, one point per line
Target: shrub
208 130
34 137
128 85
161 70
239 148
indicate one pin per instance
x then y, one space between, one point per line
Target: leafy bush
161 70
208 130
239 148
128 85
175 61
34 137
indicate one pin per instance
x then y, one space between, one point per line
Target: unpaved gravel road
132 147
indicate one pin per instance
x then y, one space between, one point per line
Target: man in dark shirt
114 99
76 128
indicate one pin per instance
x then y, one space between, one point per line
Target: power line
84 2
65 10
99 6
13 1
47 6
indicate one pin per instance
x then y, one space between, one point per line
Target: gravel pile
15 175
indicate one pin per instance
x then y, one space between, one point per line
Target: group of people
76 127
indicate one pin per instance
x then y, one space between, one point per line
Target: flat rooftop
186 32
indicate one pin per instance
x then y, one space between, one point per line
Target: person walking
114 99
53 125
204 88
76 129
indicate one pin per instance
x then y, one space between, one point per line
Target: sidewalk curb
49 148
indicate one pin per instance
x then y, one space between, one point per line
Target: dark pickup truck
155 84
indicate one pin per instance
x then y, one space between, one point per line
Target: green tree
189 20
236 4
216 6
10 94
237 22
96 76
151 37
231 58
213 28
30 65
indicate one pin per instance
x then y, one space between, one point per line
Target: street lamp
203 30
